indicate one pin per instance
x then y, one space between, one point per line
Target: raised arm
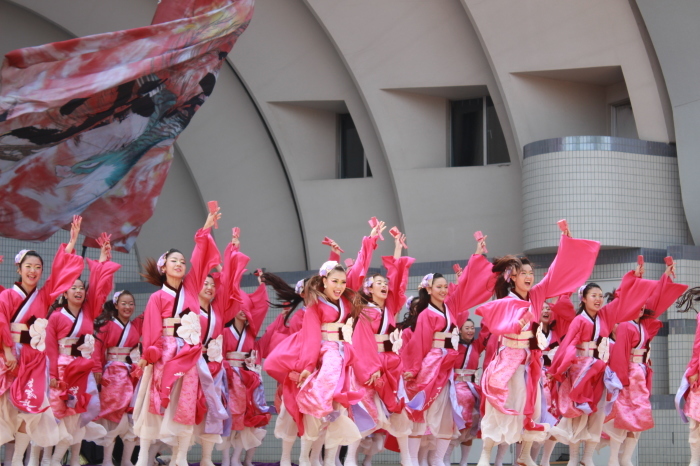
474 285
397 268
665 293
571 267
630 297
205 256
101 282
65 270
357 273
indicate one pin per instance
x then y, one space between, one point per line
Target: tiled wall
620 198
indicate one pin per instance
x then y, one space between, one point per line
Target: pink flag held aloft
87 126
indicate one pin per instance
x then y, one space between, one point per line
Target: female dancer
512 397
167 398
690 389
244 315
322 400
25 412
378 366
468 391
69 346
629 359
430 355
580 364
116 354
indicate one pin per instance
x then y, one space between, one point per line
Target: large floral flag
87 125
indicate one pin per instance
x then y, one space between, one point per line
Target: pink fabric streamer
87 125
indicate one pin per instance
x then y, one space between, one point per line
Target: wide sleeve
65 270
364 344
260 306
234 267
310 334
571 267
694 363
420 343
564 313
5 316
273 333
334 256
52 344
475 286
397 274
630 297
205 256
621 350
566 354
357 273
98 354
664 295
101 283
483 338
503 315
152 329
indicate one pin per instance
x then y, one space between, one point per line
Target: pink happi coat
432 367
301 351
171 357
573 263
28 385
382 321
468 391
77 393
582 377
632 409
119 377
246 400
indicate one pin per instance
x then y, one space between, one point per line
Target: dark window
476 134
353 163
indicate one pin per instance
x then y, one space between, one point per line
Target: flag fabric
87 125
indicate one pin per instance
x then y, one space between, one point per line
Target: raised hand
481 245
74 232
212 219
378 228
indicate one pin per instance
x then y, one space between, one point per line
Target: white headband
299 286
20 255
326 268
161 261
115 297
427 281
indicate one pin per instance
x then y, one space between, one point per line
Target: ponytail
152 273
688 300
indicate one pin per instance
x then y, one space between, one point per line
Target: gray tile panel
599 143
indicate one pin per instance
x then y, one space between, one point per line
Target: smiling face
175 266
125 307
75 294
334 284
438 290
208 291
546 315
593 300
379 289
524 279
30 272
467 331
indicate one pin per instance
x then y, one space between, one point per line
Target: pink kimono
431 357
113 358
511 382
375 351
301 351
69 347
246 401
173 358
691 393
22 392
468 391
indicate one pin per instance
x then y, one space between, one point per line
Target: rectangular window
352 163
476 135
622 121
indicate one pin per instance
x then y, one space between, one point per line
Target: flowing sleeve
334 256
205 256
566 353
621 350
152 329
234 268
273 333
357 273
65 270
571 267
367 360
474 287
664 295
397 274
630 297
52 344
503 315
5 316
310 334
260 306
564 313
101 283
694 363
98 355
420 343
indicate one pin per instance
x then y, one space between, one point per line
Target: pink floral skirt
117 391
632 409
497 376
469 403
186 402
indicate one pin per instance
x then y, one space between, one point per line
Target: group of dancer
76 365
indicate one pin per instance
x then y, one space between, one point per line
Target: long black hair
418 305
109 311
285 293
688 300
